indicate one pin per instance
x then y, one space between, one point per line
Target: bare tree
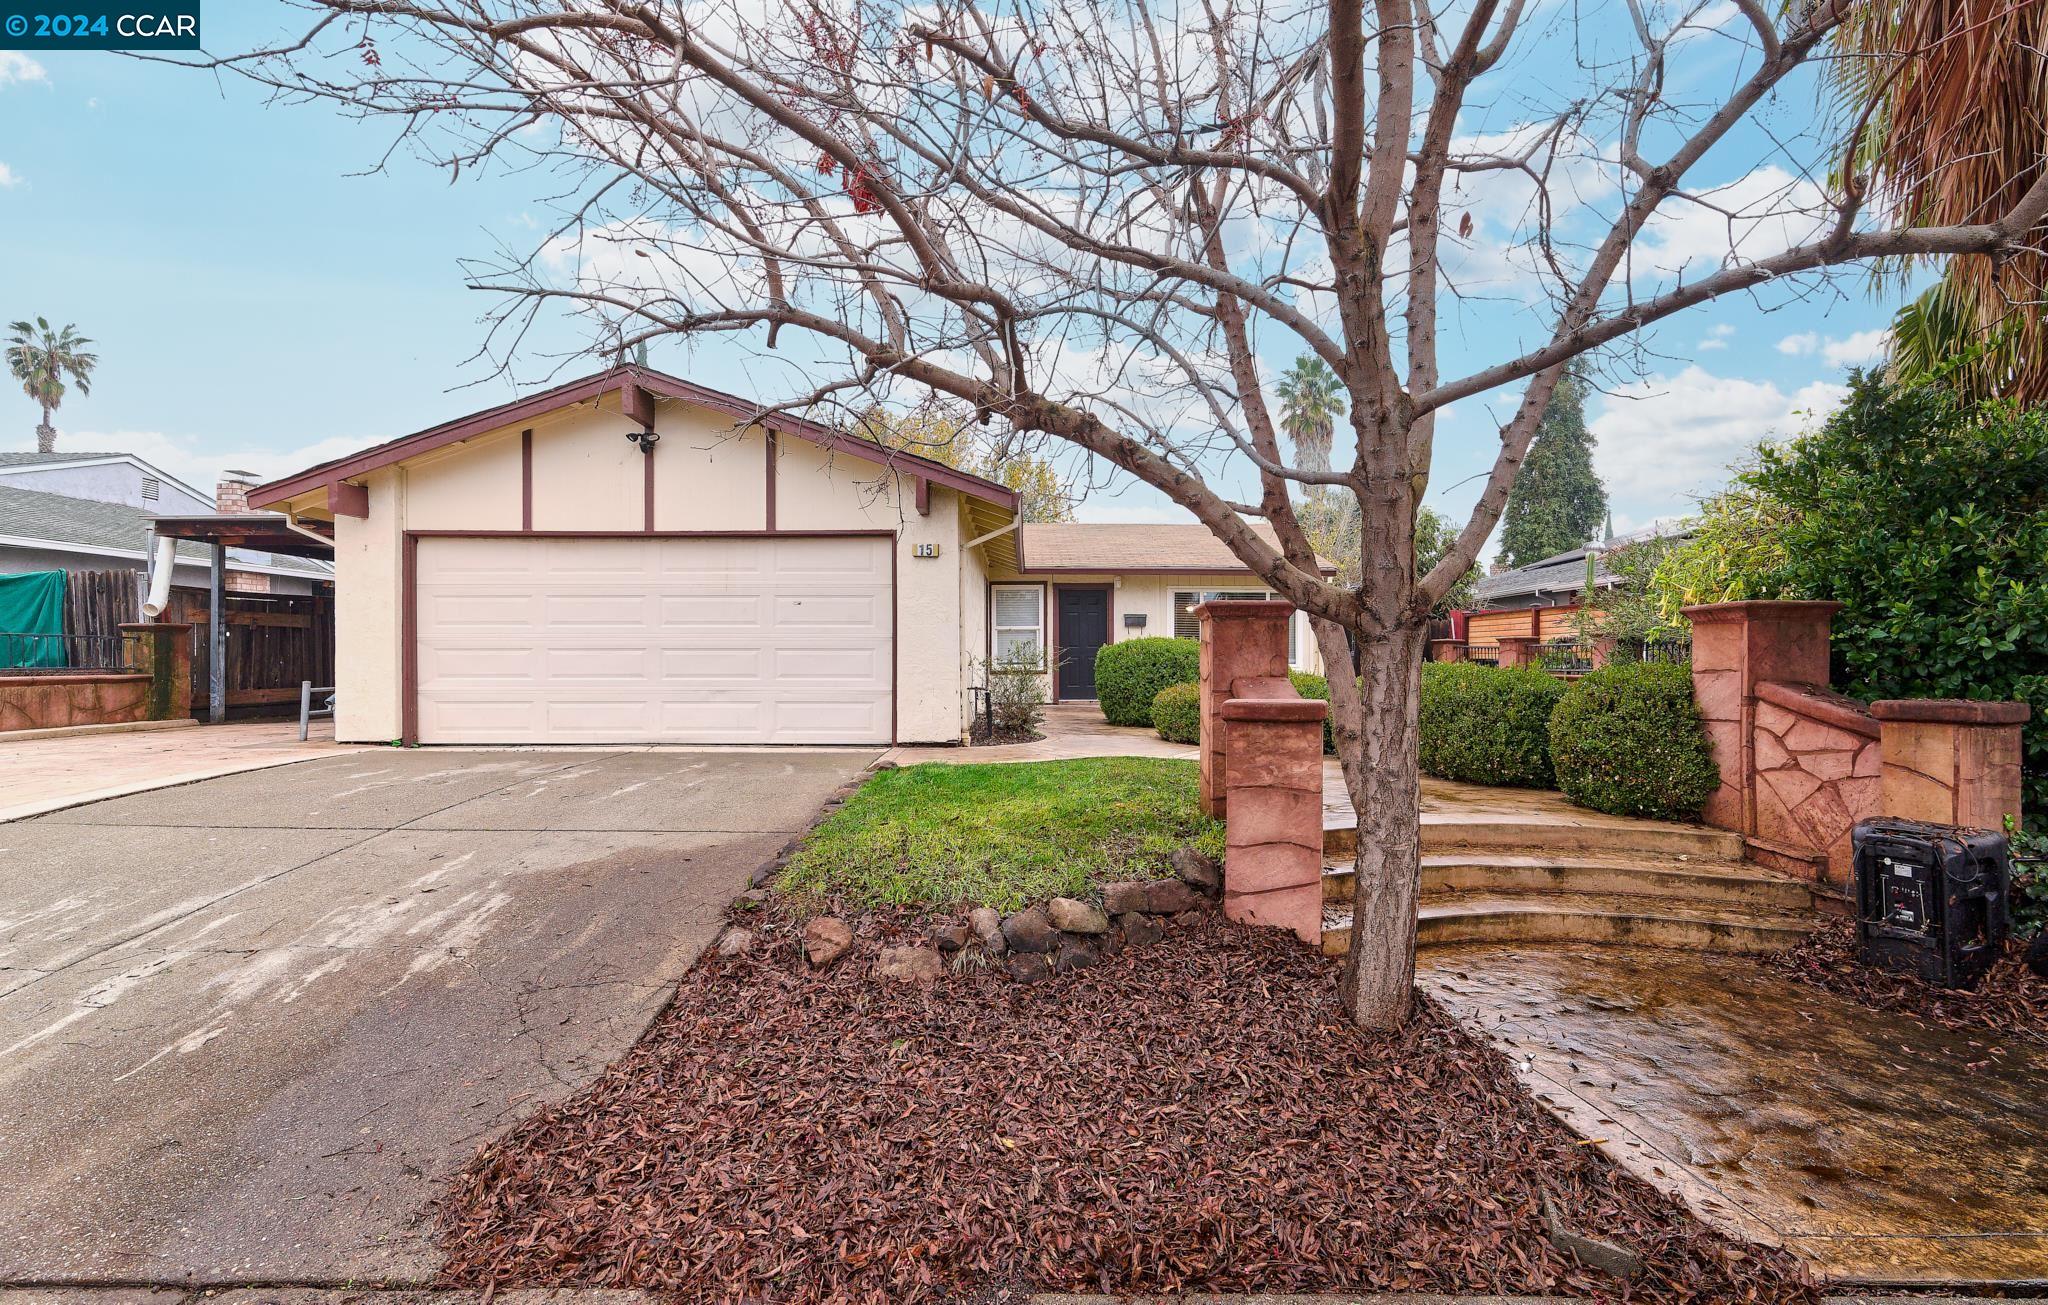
1103 220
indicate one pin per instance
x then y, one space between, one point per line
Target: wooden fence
96 604
275 641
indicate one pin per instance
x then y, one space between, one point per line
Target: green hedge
1488 725
1627 740
1315 686
1129 675
1177 713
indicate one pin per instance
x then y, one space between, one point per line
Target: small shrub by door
1177 713
1129 675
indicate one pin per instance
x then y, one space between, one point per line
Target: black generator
1932 899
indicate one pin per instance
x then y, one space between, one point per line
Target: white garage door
621 640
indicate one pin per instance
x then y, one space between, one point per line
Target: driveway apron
248 1025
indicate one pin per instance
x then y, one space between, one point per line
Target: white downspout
162 559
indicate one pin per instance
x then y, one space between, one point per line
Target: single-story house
95 512
634 558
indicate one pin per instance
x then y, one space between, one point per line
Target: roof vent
152 489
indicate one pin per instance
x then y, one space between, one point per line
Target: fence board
275 641
96 604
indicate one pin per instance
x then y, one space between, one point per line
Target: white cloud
1668 440
1759 214
18 67
1859 350
8 177
201 468
1717 338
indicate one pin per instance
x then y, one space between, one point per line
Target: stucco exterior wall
1152 595
588 476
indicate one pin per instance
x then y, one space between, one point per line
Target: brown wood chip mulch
2011 1001
1190 1115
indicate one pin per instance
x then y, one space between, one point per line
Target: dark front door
1083 616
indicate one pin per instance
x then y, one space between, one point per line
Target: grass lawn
1002 834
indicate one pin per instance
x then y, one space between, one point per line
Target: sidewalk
42 775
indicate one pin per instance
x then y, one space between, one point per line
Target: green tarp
31 609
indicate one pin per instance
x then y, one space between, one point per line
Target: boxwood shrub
1487 724
1627 740
1129 675
1177 713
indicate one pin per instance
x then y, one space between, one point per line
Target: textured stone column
1735 647
1447 650
1273 860
1949 761
164 651
1239 641
1518 649
1602 649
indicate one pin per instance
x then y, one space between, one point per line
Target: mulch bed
1190 1115
2011 1001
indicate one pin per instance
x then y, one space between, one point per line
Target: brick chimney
231 495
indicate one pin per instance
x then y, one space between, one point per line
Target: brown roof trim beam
637 388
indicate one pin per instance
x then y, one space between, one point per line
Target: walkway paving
1880 1150
1072 729
39 775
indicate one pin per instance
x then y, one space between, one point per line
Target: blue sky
256 303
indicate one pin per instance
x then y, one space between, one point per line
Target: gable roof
1117 546
19 460
30 517
598 385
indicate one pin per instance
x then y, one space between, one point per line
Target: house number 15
924 550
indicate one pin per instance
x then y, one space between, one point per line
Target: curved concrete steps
1588 918
1509 867
1703 881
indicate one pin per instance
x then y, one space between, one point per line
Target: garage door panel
620 640
853 667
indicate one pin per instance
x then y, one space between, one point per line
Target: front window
1019 625
1186 627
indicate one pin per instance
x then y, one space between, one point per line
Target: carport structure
270 532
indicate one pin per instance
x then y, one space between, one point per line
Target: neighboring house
1548 597
545 572
92 512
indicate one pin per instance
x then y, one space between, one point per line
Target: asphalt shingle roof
17 458
116 527
1107 546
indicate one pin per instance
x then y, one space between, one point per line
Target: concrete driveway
246 1025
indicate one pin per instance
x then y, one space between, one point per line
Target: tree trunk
1378 982
46 435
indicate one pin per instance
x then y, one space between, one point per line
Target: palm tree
1311 400
1950 103
40 359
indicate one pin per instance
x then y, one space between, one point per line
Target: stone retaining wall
41 702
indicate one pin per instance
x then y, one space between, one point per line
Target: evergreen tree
1558 503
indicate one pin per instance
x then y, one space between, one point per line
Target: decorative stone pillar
1447 650
1601 648
1273 859
1518 649
1736 647
1240 641
164 651
1949 761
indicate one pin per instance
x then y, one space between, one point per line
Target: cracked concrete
247 1025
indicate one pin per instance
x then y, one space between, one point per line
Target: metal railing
308 695
1564 657
53 654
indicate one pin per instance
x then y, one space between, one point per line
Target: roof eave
596 387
